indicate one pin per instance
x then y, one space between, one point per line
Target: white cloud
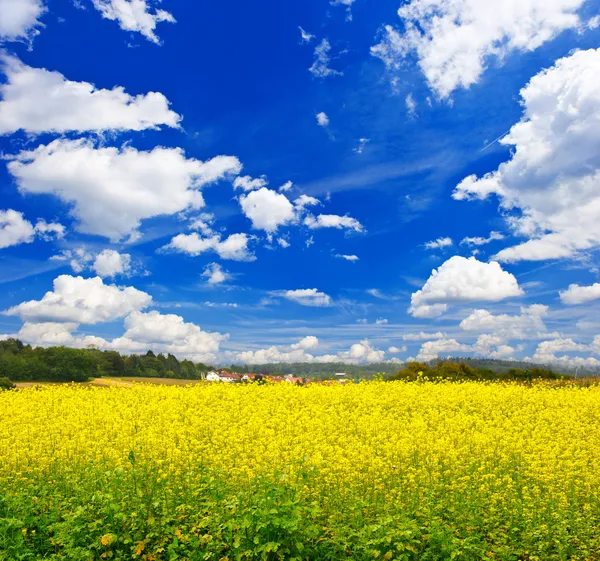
307 343
36 100
546 353
215 274
283 243
112 190
267 209
287 186
411 105
110 263
305 36
134 15
576 294
304 201
320 67
47 333
432 349
554 169
79 300
396 350
528 325
49 230
381 321
359 353
204 223
14 229
235 247
246 183
454 39
477 241
422 336
439 243
333 221
79 259
306 297
19 18
171 333
362 143
463 280
322 119
351 258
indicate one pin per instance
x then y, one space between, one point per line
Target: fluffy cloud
246 183
454 39
576 294
358 353
305 36
47 333
19 18
304 200
15 229
528 325
287 186
79 300
554 170
110 263
320 67
322 119
411 105
477 241
235 247
351 258
396 350
463 280
306 297
36 100
110 189
309 342
439 243
432 349
134 15
215 274
267 209
546 353
333 221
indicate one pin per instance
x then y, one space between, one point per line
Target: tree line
22 363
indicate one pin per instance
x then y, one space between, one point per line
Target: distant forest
22 363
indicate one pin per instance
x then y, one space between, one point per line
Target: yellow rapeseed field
373 470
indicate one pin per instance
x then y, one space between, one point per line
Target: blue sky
169 206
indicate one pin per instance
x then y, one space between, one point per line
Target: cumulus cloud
547 350
79 300
110 263
351 258
462 280
489 346
320 67
287 186
215 274
306 297
134 15
528 325
304 200
112 190
247 183
322 119
554 169
396 350
439 243
333 221
267 209
358 353
20 18
478 241
37 100
307 343
576 294
15 229
432 349
453 40
235 247
47 333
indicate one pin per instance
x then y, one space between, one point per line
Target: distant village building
213 377
340 375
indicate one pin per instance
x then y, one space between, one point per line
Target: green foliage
446 370
22 363
6 384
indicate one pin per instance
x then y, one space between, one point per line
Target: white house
213 377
